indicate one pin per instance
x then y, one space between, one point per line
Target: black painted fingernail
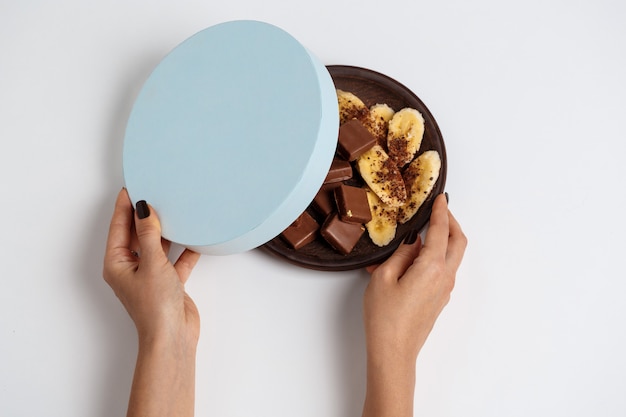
142 209
447 197
411 237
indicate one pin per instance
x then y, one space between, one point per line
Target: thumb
148 229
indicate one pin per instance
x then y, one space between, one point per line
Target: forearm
164 380
390 388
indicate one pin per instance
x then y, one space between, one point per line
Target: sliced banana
377 121
420 177
382 227
350 107
404 137
382 175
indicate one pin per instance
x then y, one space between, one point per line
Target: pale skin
403 299
152 290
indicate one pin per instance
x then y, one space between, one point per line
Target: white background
531 99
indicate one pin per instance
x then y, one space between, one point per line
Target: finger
119 238
410 238
436 242
457 242
397 264
148 232
185 264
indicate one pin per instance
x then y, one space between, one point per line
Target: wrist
168 334
168 344
164 381
392 370
389 352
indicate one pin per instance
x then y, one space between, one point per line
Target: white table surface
530 97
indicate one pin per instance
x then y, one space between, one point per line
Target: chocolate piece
354 139
301 232
342 236
340 170
352 204
324 201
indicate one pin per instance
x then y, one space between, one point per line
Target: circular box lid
231 137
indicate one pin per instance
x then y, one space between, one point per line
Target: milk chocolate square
301 232
340 170
324 201
352 204
342 236
354 140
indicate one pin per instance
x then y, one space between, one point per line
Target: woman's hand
152 290
405 296
149 286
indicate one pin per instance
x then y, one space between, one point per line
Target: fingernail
411 237
447 197
142 209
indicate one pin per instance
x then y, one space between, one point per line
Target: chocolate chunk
342 236
354 139
340 170
301 232
324 201
352 204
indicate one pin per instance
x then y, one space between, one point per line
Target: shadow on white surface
350 347
278 340
346 354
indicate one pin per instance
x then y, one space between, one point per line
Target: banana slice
382 175
350 107
420 177
404 137
382 227
377 121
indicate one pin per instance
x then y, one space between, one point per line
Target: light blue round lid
231 137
